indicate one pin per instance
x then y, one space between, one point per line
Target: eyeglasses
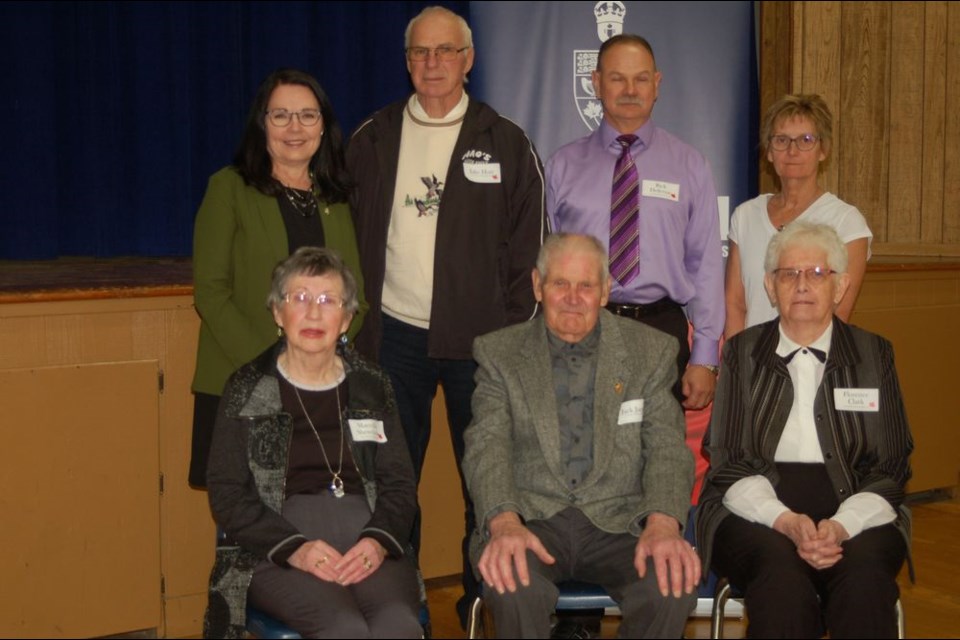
815 275
282 117
301 300
804 143
443 52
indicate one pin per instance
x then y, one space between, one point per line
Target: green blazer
238 239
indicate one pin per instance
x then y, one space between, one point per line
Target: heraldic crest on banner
609 15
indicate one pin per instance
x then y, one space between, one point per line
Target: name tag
631 411
662 190
482 172
367 430
856 399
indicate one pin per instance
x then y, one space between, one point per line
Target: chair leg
475 618
720 597
901 624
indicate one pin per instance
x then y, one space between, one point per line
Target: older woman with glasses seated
796 137
808 447
309 475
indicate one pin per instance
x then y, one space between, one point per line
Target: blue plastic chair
260 625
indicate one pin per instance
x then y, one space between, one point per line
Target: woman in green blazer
287 188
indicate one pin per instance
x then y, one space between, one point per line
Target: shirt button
828 455
843 492
819 417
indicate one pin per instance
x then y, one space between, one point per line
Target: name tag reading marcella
631 411
856 399
367 430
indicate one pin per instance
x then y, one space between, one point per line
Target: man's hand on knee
509 542
676 563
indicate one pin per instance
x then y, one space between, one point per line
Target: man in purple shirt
680 260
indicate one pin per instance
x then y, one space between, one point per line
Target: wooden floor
931 606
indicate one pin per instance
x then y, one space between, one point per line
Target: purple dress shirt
680 248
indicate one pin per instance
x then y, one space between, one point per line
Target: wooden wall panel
81 553
820 59
918 311
189 533
863 114
934 96
111 331
890 72
906 113
951 160
776 69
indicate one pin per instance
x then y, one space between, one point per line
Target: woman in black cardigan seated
809 444
309 475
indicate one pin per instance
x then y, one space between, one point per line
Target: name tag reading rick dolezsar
856 399
662 190
367 430
631 411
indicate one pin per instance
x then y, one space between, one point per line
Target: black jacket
488 234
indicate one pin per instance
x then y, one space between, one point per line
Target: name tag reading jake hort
662 190
482 172
856 399
631 411
367 431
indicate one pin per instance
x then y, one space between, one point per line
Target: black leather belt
637 311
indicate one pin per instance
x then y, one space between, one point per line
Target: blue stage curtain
118 112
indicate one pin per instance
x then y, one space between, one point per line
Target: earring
279 331
344 339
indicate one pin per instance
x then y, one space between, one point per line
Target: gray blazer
512 460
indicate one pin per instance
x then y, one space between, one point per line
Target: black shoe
569 629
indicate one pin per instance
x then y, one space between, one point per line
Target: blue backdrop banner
535 58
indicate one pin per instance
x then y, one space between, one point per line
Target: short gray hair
557 241
806 234
313 261
464 27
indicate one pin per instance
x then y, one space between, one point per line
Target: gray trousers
385 605
584 552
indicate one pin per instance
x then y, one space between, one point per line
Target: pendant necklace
336 484
301 200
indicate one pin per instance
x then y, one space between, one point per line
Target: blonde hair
804 105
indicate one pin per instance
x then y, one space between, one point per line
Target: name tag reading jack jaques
367 430
482 172
856 399
662 190
631 411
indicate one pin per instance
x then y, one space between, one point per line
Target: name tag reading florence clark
857 400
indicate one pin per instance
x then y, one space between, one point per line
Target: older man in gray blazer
576 459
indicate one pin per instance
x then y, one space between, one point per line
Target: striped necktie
625 215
